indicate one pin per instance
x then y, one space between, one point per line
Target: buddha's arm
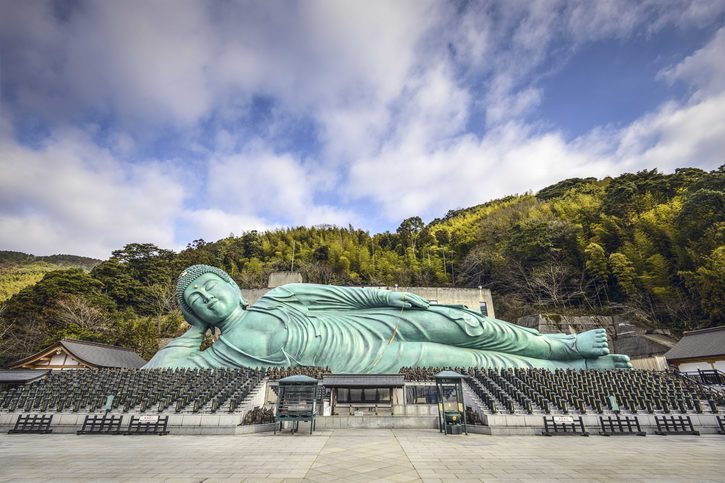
331 297
179 349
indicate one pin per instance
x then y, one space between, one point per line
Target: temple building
80 354
17 377
702 349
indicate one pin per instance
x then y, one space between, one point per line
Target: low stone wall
69 423
520 424
255 428
376 422
416 410
229 424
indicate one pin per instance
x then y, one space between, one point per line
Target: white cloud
390 89
345 64
179 61
676 136
689 134
144 61
408 180
504 51
704 69
507 106
213 224
70 196
260 182
429 174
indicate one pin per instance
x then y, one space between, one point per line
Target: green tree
624 273
409 230
596 261
708 283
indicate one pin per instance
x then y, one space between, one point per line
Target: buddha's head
207 294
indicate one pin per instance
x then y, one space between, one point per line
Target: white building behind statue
699 349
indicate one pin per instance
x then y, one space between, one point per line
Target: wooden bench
147 425
33 423
101 424
564 426
674 425
620 426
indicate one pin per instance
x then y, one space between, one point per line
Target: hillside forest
647 245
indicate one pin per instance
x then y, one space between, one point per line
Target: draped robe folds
355 330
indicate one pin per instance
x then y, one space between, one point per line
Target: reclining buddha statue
358 330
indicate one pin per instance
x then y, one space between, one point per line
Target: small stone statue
358 330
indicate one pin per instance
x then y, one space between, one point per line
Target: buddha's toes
592 343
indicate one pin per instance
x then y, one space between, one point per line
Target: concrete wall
519 424
416 410
69 423
470 297
251 295
375 422
229 424
693 366
656 363
277 279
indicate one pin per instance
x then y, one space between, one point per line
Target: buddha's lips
211 304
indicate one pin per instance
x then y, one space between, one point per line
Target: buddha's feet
612 361
592 343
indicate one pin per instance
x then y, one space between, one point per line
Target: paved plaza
360 455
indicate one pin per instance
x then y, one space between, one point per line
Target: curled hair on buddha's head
192 273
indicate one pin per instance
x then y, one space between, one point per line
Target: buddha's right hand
406 300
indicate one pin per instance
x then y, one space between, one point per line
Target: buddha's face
211 298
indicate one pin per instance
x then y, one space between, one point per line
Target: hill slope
19 270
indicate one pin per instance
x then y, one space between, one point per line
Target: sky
168 121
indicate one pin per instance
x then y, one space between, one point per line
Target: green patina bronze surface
358 330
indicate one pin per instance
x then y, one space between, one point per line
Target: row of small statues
258 415
276 373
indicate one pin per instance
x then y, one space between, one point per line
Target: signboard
563 420
148 419
109 403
